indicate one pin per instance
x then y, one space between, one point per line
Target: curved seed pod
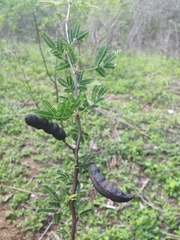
106 188
60 134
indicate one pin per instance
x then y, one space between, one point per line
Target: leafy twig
80 132
69 146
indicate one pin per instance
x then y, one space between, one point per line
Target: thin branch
171 235
40 48
69 146
150 204
67 19
69 60
80 132
46 230
76 170
56 85
105 112
44 61
26 191
144 185
24 75
75 181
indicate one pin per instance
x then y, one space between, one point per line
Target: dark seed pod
33 121
60 134
44 122
51 127
48 126
106 188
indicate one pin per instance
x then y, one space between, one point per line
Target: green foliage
76 33
97 94
47 40
133 130
68 84
138 157
100 55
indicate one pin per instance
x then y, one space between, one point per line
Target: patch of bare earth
8 231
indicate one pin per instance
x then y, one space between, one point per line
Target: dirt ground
8 231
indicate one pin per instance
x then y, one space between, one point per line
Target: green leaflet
86 81
57 217
82 34
64 110
62 66
97 93
102 91
70 35
76 30
79 76
62 82
43 113
71 54
76 34
68 83
51 192
64 176
46 210
85 212
109 58
101 71
82 88
57 54
110 65
69 80
52 3
100 55
55 204
60 16
49 107
48 40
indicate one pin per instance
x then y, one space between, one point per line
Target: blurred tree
128 24
16 19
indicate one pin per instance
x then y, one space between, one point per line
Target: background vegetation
135 134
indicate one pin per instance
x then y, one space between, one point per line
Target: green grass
136 143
